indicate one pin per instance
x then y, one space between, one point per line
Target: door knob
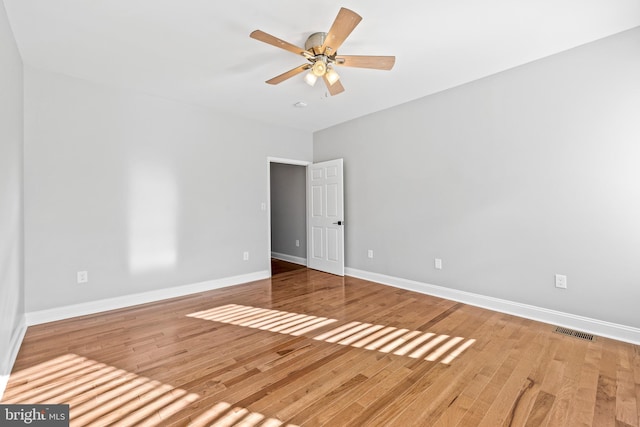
338 223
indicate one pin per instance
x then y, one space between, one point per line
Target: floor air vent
576 334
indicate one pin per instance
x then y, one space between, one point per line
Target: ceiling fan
321 50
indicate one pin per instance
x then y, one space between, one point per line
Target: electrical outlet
82 276
297 243
263 206
437 263
370 253
245 256
561 281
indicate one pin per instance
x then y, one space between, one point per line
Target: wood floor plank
467 393
366 394
625 399
581 412
444 394
279 377
384 357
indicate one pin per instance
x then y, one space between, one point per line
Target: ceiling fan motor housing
314 43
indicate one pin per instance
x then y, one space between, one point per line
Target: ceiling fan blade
335 88
361 61
284 76
343 25
274 41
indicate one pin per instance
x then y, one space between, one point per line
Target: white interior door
325 222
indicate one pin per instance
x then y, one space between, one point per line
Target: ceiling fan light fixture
310 78
332 76
321 50
319 68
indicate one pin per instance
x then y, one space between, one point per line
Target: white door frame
286 162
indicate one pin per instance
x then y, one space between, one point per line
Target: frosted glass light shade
310 78
332 76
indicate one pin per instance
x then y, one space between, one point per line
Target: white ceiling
200 52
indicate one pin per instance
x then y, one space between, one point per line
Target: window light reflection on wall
153 205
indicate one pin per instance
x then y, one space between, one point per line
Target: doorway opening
306 214
287 215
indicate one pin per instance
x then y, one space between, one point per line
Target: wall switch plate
245 256
561 281
297 243
437 263
370 253
263 206
82 276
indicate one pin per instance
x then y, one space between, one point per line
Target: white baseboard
289 258
12 353
91 307
593 326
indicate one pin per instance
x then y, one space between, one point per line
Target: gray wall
509 179
144 193
288 209
11 236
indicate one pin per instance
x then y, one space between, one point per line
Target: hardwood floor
279 266
308 348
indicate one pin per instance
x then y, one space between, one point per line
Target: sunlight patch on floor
225 414
401 342
385 339
261 318
97 394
